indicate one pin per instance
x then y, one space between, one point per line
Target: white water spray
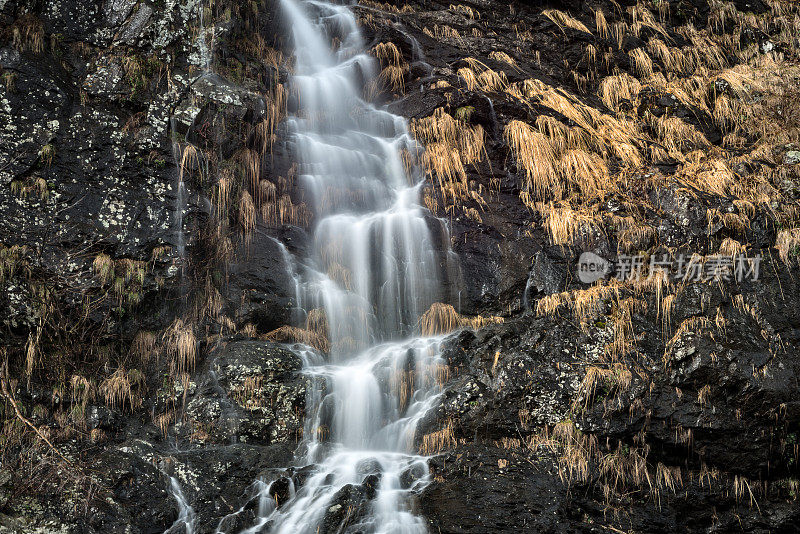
205 37
185 524
374 268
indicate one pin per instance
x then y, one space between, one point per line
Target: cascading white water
374 269
205 46
185 523
371 237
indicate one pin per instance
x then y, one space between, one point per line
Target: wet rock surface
696 406
684 419
252 392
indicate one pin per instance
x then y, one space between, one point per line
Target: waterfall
378 260
185 524
204 49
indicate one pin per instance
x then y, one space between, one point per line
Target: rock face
530 373
252 392
149 213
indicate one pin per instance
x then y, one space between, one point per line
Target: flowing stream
373 269
377 262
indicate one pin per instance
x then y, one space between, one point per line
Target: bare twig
4 389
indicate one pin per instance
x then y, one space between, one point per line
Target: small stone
792 157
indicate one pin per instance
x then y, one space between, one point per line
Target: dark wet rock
468 494
217 481
136 25
347 507
261 287
371 483
253 392
102 417
486 397
368 467
548 275
117 11
685 408
139 488
718 401
411 475
281 490
301 475
526 495
106 79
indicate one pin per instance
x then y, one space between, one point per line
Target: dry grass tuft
450 145
181 347
491 81
247 213
284 211
616 378
641 63
788 244
388 54
601 24
143 347
438 441
393 77
469 77
677 136
103 267
291 334
617 89
564 20
503 58
711 175
123 387
439 319
535 155
341 275
567 226
317 322
586 171
470 13
83 390
443 33
585 304
27 34
394 71
190 160
443 318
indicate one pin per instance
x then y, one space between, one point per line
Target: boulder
252 392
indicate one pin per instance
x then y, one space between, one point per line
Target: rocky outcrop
679 406
145 194
252 392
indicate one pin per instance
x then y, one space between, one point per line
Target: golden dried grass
180 344
587 172
443 318
642 63
503 57
601 25
787 243
564 20
292 334
123 387
388 53
438 441
616 89
450 145
534 153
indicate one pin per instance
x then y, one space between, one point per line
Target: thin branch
10 398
